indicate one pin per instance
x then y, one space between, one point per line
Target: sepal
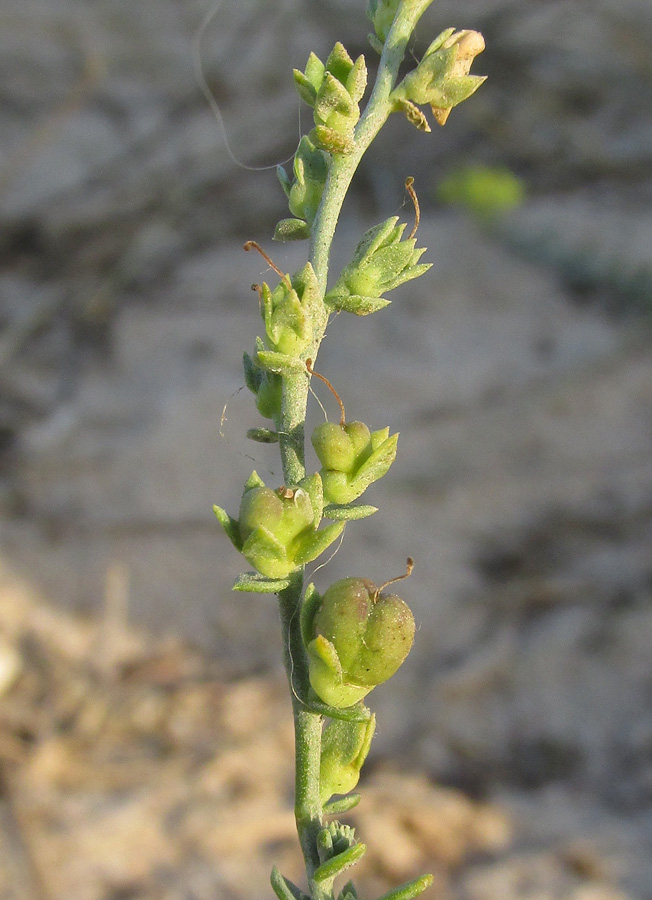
230 526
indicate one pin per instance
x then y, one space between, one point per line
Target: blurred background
145 735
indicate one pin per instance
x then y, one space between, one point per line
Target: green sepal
279 363
252 373
284 179
312 485
375 237
254 481
291 230
310 172
263 435
255 583
324 844
284 888
456 90
356 80
340 863
344 748
348 892
309 82
334 106
264 551
339 64
342 805
332 141
230 525
309 546
354 303
410 889
347 512
375 44
309 606
326 675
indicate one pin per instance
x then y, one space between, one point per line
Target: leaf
284 888
410 889
262 435
291 230
255 583
280 363
344 804
340 863
348 513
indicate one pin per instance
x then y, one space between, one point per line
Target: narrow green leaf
255 583
340 863
262 435
410 889
280 363
344 804
284 888
348 513
357 713
291 230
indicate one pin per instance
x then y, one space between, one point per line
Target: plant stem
290 427
307 731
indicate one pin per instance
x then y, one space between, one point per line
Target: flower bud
352 458
277 530
287 312
310 172
267 386
333 91
442 77
360 638
344 748
381 262
382 13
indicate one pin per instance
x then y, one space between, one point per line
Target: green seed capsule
360 638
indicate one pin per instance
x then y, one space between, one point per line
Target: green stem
307 734
290 426
376 113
